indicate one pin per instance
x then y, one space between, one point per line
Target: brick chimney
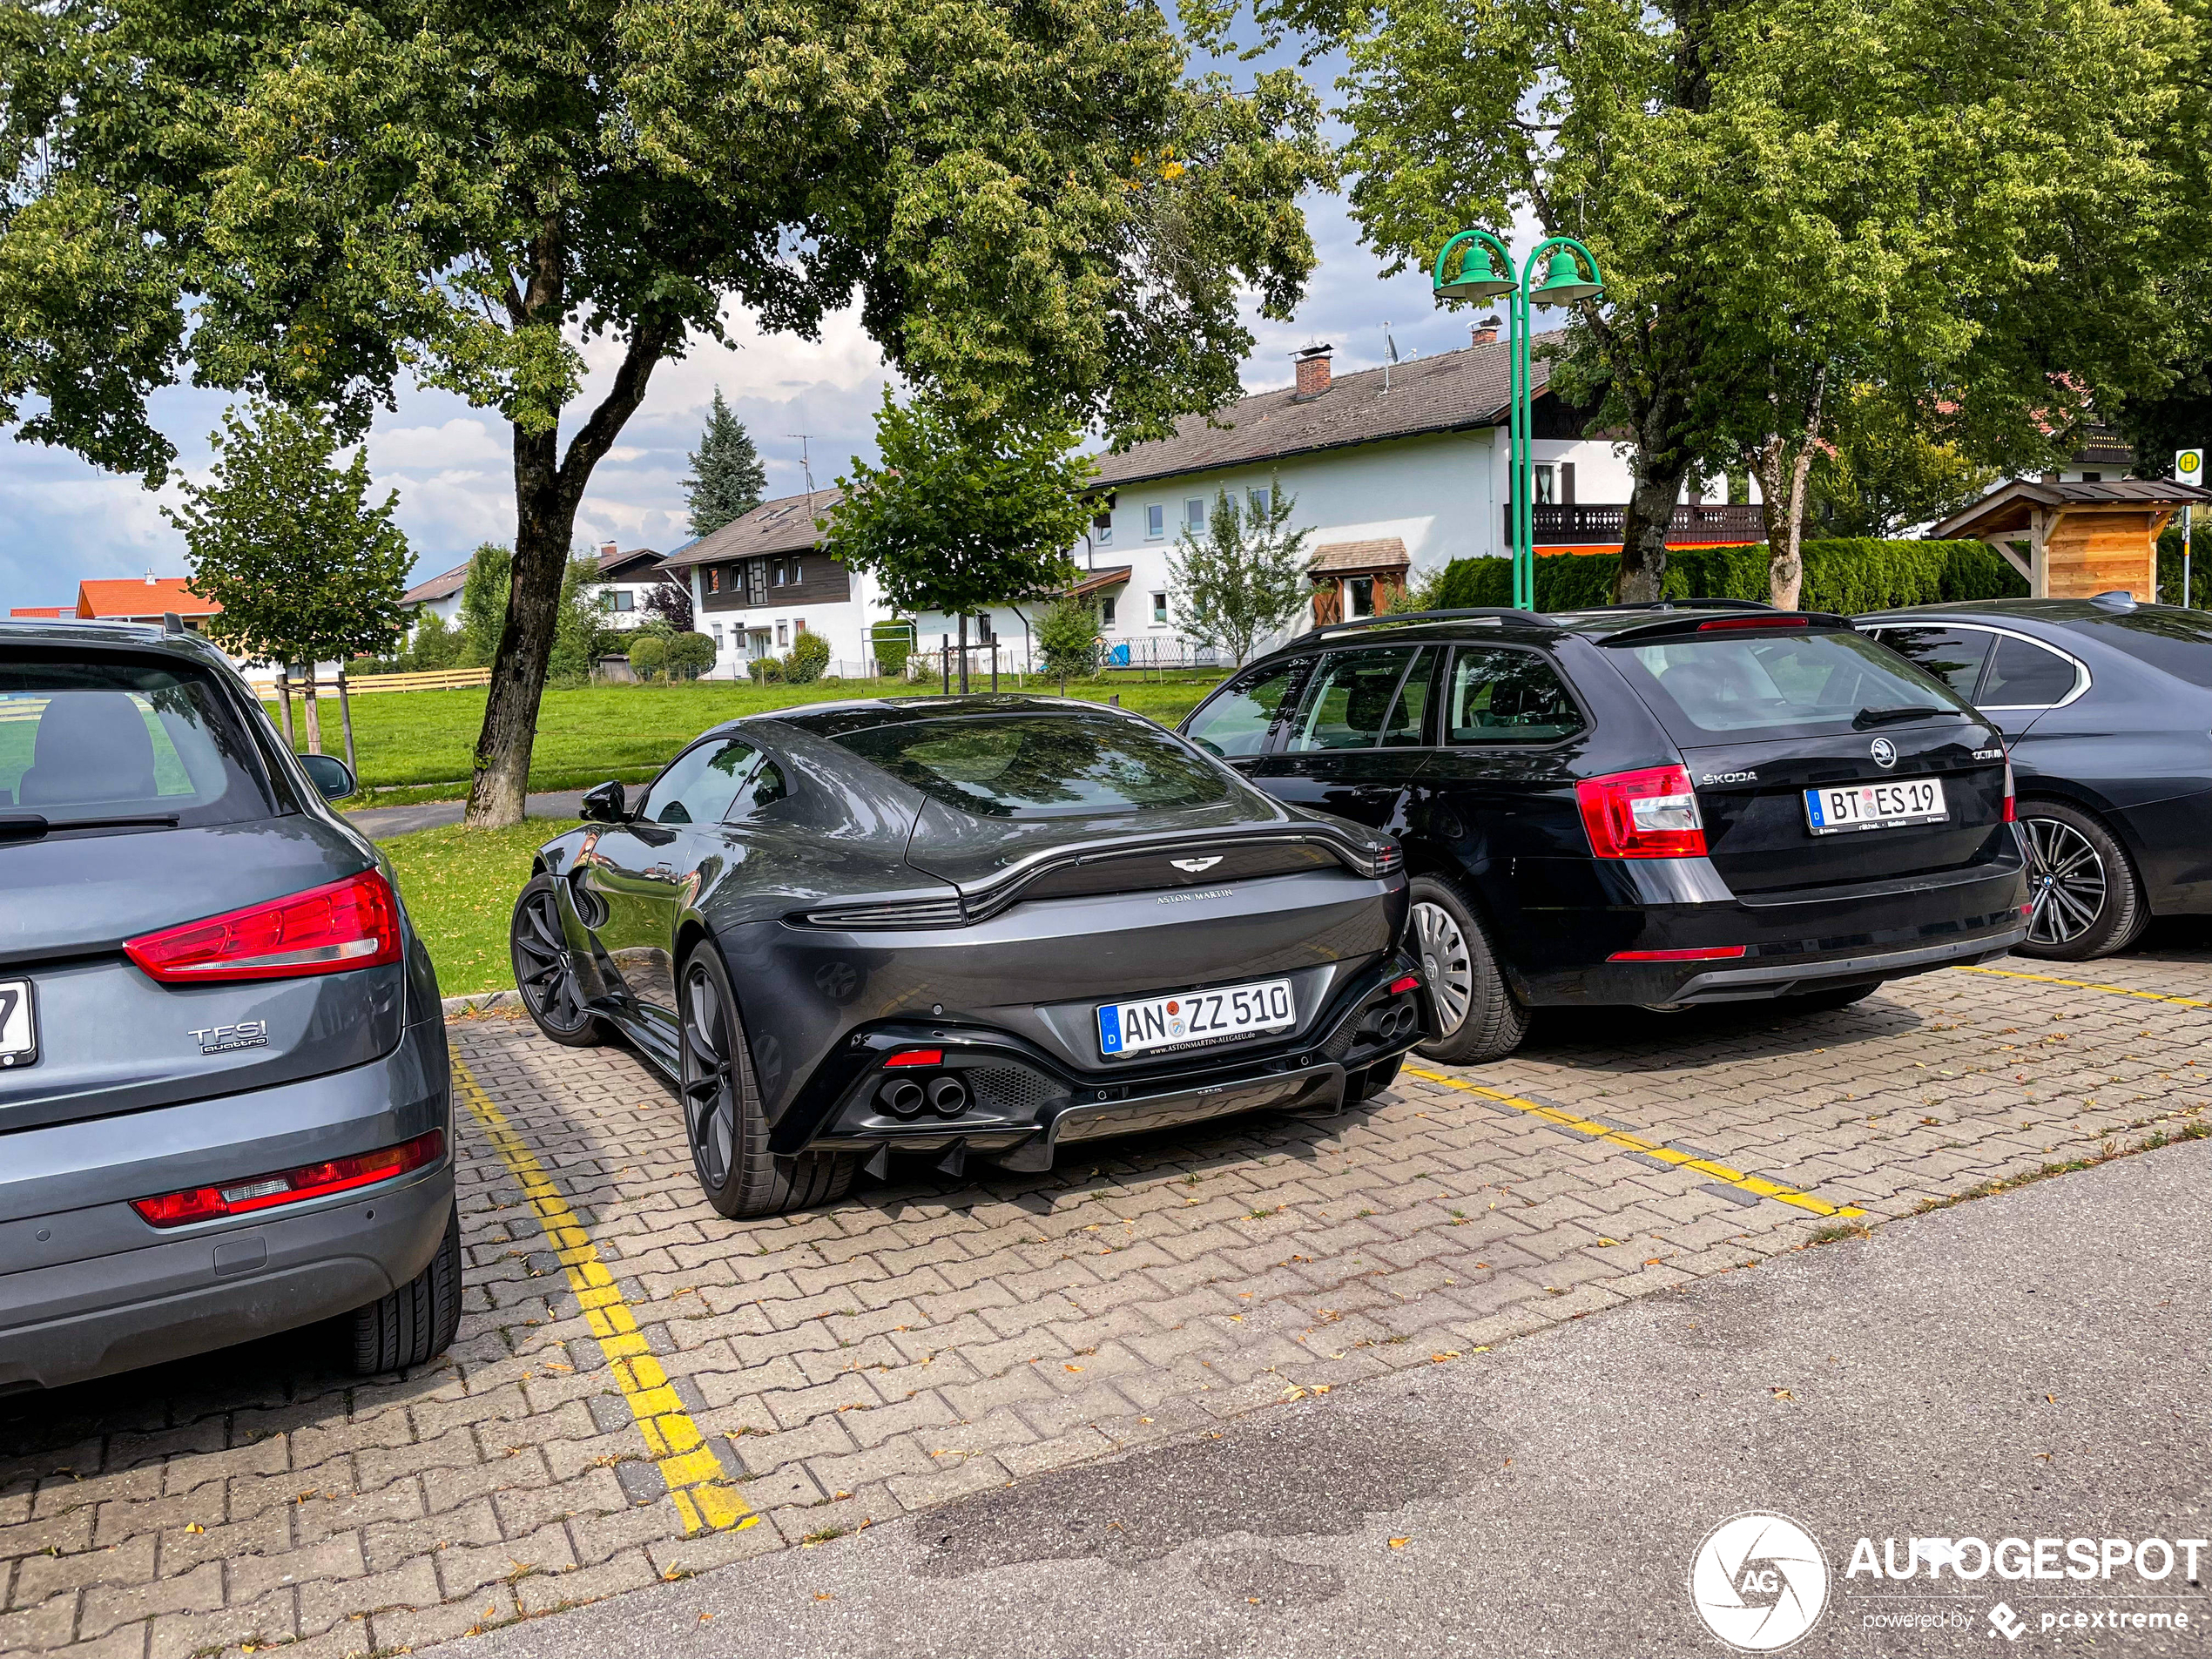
1313 370
608 550
1486 331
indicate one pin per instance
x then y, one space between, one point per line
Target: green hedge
2169 565
1848 576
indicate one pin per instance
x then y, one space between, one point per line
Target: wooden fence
435 679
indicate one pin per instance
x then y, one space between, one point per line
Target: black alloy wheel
545 970
723 1119
2083 896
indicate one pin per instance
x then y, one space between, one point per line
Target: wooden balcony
1585 523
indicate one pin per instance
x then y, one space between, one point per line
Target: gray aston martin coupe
955 925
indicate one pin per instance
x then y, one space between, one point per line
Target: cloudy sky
62 520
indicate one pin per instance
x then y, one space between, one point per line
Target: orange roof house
145 600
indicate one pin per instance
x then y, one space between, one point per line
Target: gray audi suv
224 1110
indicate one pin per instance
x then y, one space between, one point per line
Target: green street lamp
1484 272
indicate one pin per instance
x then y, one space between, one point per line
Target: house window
713 580
1155 522
1258 500
1547 492
626 600
1159 607
797 573
800 626
2093 478
1102 531
717 640
783 635
779 573
1194 513
1363 594
1106 606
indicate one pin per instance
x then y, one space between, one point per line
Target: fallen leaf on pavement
1400 1543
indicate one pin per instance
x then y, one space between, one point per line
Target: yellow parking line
2087 985
1665 1154
695 1478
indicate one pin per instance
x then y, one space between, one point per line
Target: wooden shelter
2082 539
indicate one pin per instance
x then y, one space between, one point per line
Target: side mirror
603 805
333 779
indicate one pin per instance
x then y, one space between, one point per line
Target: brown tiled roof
438 587
2009 507
615 566
1111 575
784 525
1341 558
1450 392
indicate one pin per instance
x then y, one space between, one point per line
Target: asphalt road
377 822
2032 1364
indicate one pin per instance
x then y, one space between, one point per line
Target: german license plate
1834 808
18 1024
1195 1016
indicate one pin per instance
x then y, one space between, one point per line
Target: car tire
1370 1081
723 1120
1827 1001
545 970
415 1324
1475 1007
2086 898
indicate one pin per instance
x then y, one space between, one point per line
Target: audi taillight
182 1208
2012 806
1647 815
354 923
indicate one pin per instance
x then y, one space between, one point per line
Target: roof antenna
807 467
1390 355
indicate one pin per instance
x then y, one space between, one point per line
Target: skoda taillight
341 924
1651 813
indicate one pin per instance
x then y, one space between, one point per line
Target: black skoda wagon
1648 806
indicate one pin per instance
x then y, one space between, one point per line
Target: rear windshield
2177 642
84 744
1781 685
1042 765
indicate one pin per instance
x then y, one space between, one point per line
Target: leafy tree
484 603
648 655
305 569
1067 639
962 514
670 602
727 477
580 630
807 660
1244 577
435 645
1881 476
689 656
1033 207
1790 196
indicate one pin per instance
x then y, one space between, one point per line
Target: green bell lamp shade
1564 283
1478 278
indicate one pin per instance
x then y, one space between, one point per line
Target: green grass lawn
417 741
459 886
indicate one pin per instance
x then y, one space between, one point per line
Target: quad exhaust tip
948 1097
902 1098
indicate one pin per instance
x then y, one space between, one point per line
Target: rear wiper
1866 717
33 825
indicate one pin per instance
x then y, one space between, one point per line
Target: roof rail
1496 613
1683 605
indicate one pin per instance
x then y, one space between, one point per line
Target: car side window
1410 713
1953 655
699 783
1237 721
1501 696
2025 676
1349 700
765 789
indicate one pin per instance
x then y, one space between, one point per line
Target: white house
624 580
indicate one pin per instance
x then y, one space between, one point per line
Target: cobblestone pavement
925 1339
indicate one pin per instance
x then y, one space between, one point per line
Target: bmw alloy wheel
2066 880
710 1080
1443 959
547 976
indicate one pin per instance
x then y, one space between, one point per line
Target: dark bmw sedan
1660 806
953 926
224 1104
2105 706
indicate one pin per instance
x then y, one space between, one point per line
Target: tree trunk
544 522
1783 476
1643 543
310 708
